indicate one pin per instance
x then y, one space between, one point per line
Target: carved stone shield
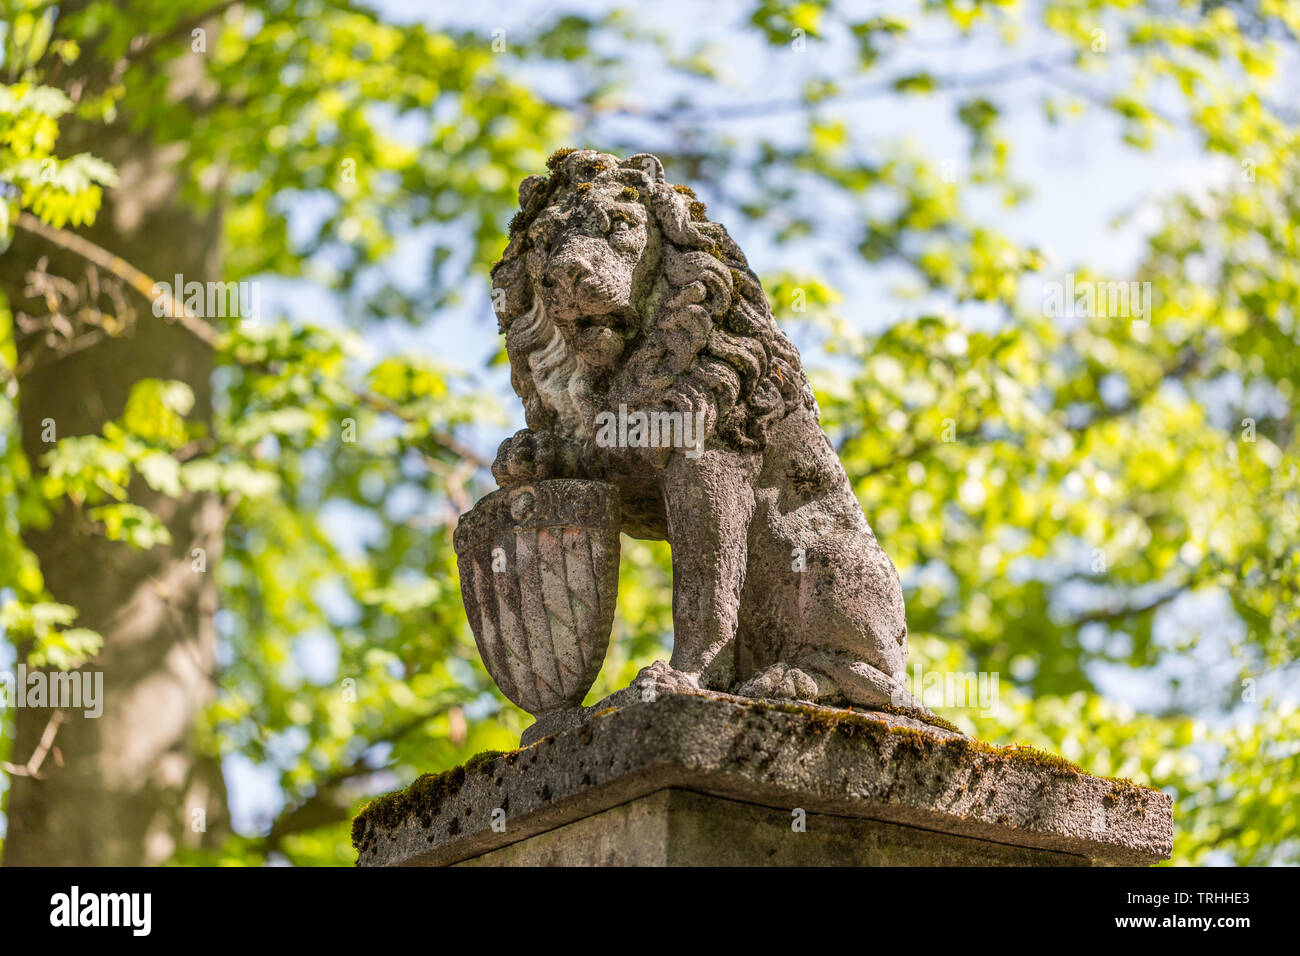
539 578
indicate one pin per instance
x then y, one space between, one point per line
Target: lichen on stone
858 724
482 762
924 716
421 799
556 158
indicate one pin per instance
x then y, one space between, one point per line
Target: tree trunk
126 788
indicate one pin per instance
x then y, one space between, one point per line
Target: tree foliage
1053 488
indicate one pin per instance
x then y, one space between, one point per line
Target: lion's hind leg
829 677
783 681
859 683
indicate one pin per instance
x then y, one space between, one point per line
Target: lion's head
615 288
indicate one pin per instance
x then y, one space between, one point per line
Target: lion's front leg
709 500
529 456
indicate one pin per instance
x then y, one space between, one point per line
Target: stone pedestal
711 779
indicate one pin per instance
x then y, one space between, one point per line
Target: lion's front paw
529 456
662 674
783 682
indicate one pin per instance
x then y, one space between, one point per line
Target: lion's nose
572 269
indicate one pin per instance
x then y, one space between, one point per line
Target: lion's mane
712 346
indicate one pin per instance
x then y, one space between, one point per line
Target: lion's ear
528 189
674 219
646 163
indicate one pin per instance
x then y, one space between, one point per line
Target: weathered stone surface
555 796
683 828
648 359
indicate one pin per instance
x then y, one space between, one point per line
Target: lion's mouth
600 345
622 320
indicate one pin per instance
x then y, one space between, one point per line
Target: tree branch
176 311
33 766
116 265
325 805
1130 610
735 111
181 28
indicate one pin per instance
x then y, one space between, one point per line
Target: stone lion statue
618 297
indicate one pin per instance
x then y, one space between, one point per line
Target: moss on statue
556 158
